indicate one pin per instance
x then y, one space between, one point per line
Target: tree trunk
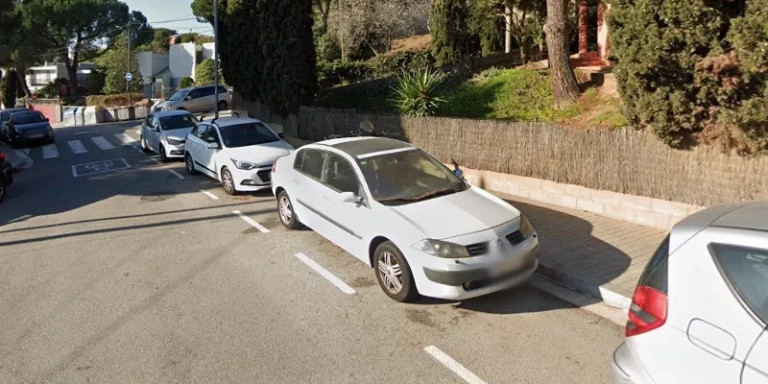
565 86
22 72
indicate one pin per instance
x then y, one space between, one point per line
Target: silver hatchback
699 313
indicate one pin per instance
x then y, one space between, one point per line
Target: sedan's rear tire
393 273
190 165
228 182
286 212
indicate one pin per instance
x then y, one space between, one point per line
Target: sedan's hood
178 134
457 214
262 154
31 127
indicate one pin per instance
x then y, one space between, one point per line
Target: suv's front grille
515 237
477 249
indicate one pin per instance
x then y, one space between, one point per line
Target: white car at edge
237 151
395 207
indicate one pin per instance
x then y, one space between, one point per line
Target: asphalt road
125 272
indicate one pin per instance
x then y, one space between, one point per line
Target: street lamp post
216 54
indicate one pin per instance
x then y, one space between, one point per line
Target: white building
163 73
39 76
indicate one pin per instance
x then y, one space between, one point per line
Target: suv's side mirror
189 97
213 145
47 119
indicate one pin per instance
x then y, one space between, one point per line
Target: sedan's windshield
186 120
408 176
178 95
243 135
27 118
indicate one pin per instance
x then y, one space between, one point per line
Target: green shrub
407 61
115 100
57 88
415 93
205 72
340 72
186 82
327 47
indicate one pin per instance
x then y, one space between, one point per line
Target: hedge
116 100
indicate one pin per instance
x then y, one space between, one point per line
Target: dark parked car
6 175
27 127
5 115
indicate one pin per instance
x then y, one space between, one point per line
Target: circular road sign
128 77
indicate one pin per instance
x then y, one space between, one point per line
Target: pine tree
8 89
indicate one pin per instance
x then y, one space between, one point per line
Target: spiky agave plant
415 93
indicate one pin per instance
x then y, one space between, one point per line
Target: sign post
128 78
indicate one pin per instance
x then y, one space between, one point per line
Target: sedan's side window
148 121
310 163
339 175
209 135
156 123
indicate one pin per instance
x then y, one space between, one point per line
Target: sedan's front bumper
503 265
174 151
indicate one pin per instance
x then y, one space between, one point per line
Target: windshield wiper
434 194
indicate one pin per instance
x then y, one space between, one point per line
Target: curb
610 298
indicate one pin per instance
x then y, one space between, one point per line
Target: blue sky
158 11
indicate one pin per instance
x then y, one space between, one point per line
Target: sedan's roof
362 146
751 215
172 112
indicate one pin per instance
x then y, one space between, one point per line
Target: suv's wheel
228 182
144 147
190 164
223 105
163 155
286 212
393 273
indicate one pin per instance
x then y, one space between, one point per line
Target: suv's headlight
175 141
441 249
525 227
244 164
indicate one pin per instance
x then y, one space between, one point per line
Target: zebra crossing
79 147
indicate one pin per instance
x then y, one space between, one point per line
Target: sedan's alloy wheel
390 272
285 209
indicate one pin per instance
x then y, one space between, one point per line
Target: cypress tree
452 40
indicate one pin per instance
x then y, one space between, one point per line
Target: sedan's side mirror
280 135
213 145
188 98
350 197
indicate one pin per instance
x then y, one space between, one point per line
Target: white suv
238 151
700 310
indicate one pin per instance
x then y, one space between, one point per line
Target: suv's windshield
27 117
177 121
408 176
178 95
243 135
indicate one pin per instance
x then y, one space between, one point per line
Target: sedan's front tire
144 147
163 155
190 165
286 212
228 182
393 273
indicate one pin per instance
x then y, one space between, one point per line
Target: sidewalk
596 255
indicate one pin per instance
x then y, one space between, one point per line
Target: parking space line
325 273
453 365
77 147
210 195
102 143
50 151
156 160
252 222
176 174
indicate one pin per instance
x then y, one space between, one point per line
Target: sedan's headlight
441 249
175 141
525 227
244 164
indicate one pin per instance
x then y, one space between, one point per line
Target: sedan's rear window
746 270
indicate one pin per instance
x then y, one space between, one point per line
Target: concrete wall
209 50
151 63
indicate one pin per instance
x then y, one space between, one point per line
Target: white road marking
453 365
125 139
102 143
97 167
156 160
50 151
176 174
252 222
324 273
211 195
77 147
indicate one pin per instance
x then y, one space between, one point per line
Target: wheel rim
190 167
285 209
390 272
228 183
143 143
162 152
